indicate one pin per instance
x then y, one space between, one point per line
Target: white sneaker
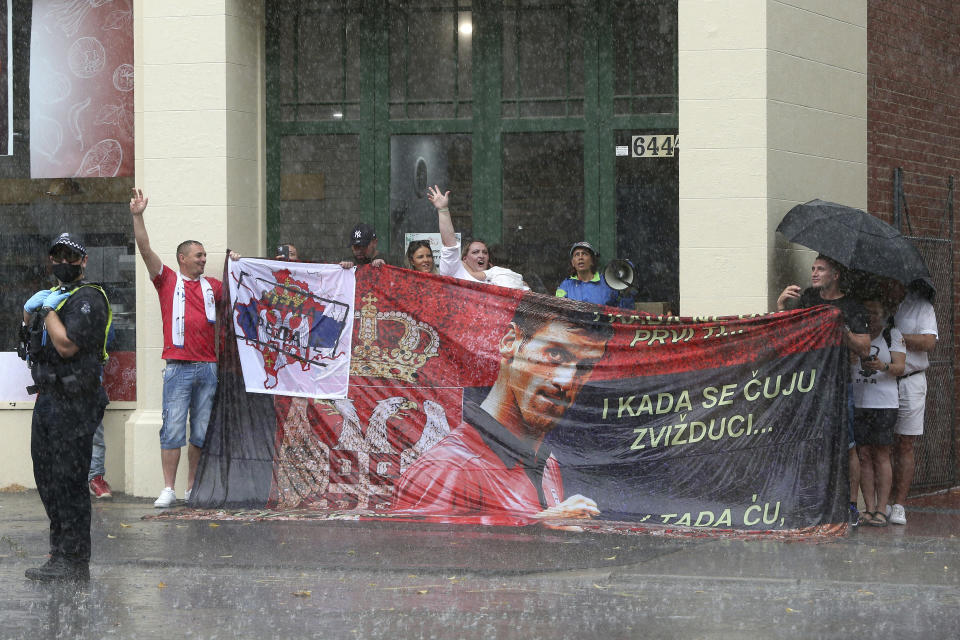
897 514
186 495
166 499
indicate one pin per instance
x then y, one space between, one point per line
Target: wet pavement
202 579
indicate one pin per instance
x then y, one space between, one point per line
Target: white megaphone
620 275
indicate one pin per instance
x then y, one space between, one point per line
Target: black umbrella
855 239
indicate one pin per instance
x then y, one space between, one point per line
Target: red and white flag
294 323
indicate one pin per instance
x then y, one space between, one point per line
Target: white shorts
913 399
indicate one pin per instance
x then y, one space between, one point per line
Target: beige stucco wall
772 113
199 158
16 467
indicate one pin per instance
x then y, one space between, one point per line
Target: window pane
319 195
97 211
96 214
645 51
431 46
543 52
542 205
318 72
648 220
417 162
34 212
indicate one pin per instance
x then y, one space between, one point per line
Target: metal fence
935 453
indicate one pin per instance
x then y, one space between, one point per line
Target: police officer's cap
70 241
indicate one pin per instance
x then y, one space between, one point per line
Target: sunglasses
68 255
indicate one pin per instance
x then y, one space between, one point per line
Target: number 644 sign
654 145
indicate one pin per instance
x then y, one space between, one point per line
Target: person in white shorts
918 324
474 264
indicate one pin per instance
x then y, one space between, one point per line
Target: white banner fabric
294 325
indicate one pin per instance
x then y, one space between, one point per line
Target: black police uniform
69 406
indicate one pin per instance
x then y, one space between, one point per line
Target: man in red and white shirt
188 308
494 467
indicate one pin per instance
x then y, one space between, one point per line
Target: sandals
874 519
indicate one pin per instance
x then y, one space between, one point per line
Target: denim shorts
188 387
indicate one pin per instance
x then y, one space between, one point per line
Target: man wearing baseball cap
363 243
585 282
65 345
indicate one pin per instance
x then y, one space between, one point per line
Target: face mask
66 272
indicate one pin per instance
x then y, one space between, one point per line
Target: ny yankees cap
68 240
362 234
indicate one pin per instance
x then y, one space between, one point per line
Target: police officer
66 340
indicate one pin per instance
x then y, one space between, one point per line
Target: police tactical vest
76 375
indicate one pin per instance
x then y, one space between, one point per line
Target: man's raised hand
792 292
138 202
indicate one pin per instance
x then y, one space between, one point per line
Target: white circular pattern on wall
123 77
86 57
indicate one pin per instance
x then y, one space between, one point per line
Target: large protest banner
471 403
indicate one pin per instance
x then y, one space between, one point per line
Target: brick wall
913 122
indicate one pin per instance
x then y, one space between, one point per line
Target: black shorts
874 426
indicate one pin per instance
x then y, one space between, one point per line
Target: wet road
163 579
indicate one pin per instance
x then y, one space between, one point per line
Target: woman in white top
474 264
876 405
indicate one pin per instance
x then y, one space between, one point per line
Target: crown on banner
380 353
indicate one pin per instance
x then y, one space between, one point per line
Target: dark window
542 205
516 106
33 212
431 45
319 195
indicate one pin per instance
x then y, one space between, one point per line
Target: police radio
23 341
31 339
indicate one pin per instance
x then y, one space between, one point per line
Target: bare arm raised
441 201
138 203
790 295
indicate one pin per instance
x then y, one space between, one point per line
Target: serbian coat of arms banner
471 403
293 324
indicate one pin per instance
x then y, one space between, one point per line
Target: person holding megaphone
586 283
